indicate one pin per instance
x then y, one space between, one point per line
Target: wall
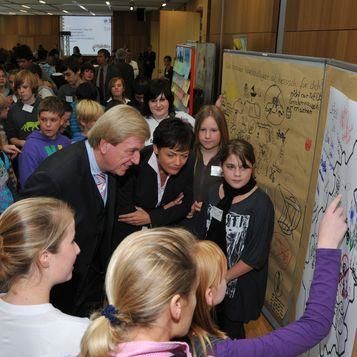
322 28
258 19
201 6
128 31
30 30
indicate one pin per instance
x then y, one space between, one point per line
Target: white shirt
153 123
134 64
38 331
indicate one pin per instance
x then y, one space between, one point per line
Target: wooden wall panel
200 6
128 31
30 30
321 15
176 27
340 45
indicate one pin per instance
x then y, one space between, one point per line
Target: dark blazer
140 189
112 71
66 175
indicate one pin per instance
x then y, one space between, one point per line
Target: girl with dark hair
240 219
159 105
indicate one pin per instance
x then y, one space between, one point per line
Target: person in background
117 91
88 112
84 175
141 86
168 69
159 105
105 72
13 96
67 113
125 71
22 116
4 86
43 63
43 90
87 72
292 340
24 59
149 58
239 217
41 144
72 74
134 64
37 252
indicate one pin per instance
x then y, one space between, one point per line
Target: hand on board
333 225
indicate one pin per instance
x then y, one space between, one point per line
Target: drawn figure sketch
337 174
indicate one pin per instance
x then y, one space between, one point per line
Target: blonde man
83 175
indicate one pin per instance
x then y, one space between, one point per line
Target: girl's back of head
26 228
146 270
211 271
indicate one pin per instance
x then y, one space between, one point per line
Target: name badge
216 171
217 213
69 99
27 108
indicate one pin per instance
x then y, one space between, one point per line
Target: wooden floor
258 327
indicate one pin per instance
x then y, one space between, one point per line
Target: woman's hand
196 207
138 218
177 201
12 150
333 225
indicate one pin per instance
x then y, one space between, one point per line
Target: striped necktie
100 180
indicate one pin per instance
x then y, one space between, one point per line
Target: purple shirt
304 333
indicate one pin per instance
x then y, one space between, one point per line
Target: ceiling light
49 13
42 2
163 4
26 7
23 10
92 13
108 3
131 5
12 13
82 7
65 11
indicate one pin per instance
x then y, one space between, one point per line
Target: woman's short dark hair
174 134
158 87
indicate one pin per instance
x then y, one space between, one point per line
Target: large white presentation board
337 174
89 33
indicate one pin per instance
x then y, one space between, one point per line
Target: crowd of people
119 208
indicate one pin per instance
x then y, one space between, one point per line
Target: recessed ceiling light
108 3
49 13
42 2
65 11
26 7
23 10
12 13
92 13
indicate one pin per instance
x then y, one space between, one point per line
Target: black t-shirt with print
249 230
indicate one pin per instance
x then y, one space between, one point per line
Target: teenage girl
239 217
37 251
211 136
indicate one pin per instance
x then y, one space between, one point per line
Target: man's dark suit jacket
66 175
127 73
112 71
141 189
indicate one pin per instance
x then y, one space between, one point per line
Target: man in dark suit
125 71
149 58
158 192
105 72
83 175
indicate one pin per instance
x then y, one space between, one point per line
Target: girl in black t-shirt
240 219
